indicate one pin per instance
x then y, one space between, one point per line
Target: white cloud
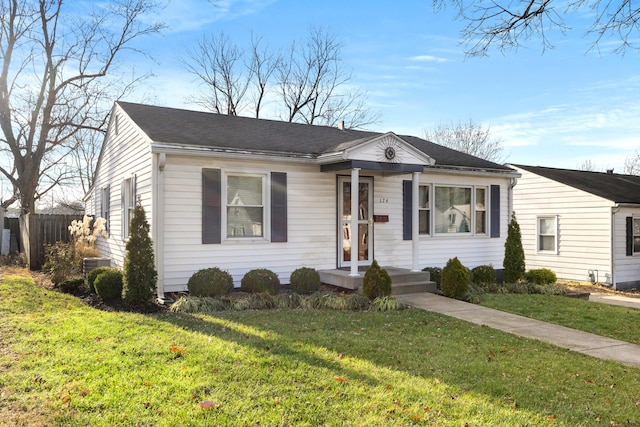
428 58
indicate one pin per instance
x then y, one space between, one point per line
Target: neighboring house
584 226
242 193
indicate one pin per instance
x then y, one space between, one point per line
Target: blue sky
555 108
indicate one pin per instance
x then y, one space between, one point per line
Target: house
242 193
585 226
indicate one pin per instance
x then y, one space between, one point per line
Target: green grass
622 323
63 363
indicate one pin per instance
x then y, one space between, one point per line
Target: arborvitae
140 274
514 266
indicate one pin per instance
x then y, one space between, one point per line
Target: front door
365 221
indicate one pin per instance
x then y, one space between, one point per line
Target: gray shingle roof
201 129
622 189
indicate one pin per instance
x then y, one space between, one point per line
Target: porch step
403 281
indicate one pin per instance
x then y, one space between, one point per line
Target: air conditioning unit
89 264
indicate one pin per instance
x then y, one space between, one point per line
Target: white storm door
365 222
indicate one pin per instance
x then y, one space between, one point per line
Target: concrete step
412 287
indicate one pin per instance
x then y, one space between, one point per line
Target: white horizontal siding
627 268
584 227
126 153
312 225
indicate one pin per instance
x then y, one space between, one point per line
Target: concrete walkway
582 342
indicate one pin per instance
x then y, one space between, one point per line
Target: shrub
60 262
71 286
376 282
541 276
483 275
305 280
260 280
91 276
455 279
140 273
108 284
210 282
513 263
435 274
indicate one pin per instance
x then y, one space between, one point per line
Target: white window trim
429 208
472 219
129 204
266 203
633 235
554 218
105 206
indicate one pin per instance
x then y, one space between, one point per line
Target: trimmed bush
541 276
483 275
376 282
455 279
108 284
435 273
305 280
210 282
260 280
91 276
71 286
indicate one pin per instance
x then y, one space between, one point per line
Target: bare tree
469 138
505 24
632 164
54 83
218 63
588 166
309 83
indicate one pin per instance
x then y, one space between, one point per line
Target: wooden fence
39 230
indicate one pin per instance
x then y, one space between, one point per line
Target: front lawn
621 323
64 363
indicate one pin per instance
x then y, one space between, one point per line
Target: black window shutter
278 207
211 206
495 211
629 236
407 205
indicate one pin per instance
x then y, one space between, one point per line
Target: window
128 204
424 211
105 205
547 234
481 210
636 235
245 206
452 210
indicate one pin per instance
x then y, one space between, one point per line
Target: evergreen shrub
435 273
541 276
455 279
483 275
210 282
140 273
108 284
376 282
305 280
260 280
93 274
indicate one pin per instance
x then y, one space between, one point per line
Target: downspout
512 183
157 186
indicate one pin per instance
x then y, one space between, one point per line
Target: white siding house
241 193
585 226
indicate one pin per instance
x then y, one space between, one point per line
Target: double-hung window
481 210
636 235
548 234
105 205
128 204
245 200
424 210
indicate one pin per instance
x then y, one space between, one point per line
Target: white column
355 196
415 222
